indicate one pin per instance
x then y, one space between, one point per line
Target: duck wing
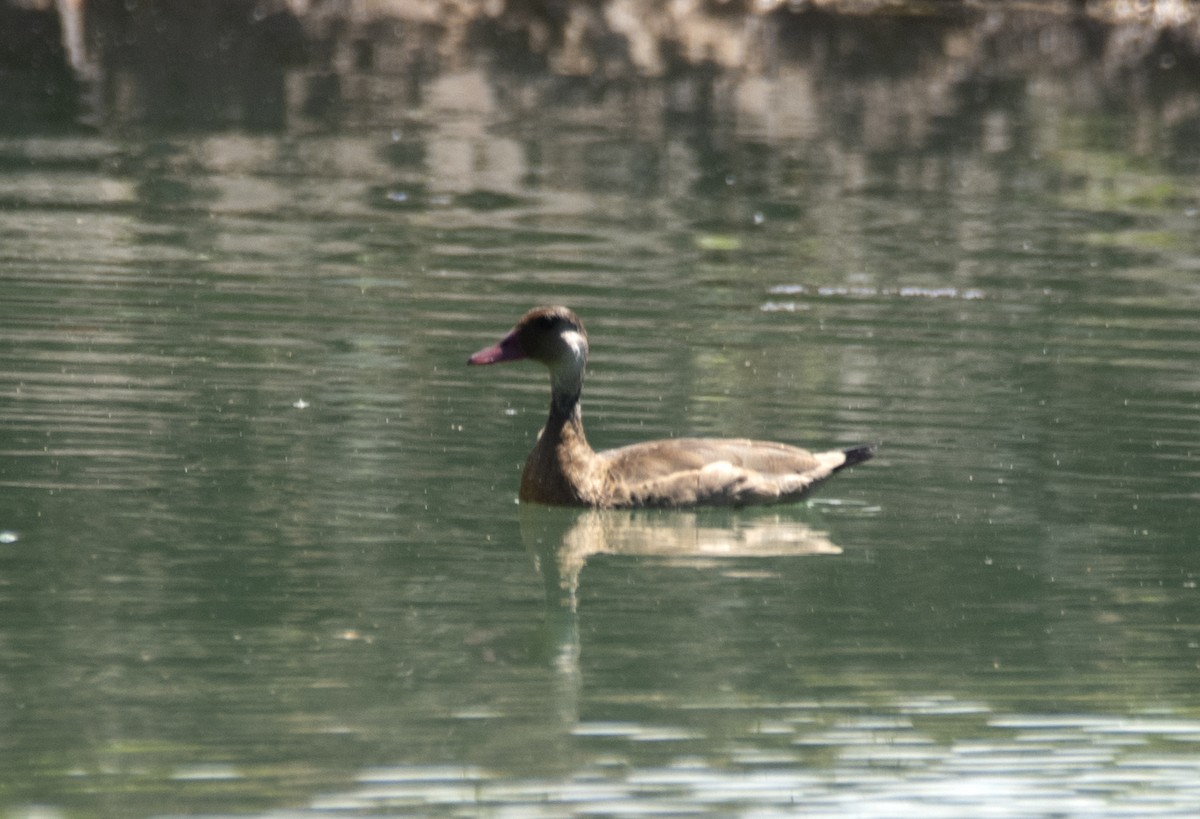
717 472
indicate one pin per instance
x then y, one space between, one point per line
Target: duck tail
858 454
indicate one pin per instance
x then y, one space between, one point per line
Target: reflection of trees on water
905 75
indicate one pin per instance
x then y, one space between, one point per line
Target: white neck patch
567 376
575 342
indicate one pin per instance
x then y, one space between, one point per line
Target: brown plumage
563 470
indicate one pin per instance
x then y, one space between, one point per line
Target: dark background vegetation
274 65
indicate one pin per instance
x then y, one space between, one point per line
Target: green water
259 545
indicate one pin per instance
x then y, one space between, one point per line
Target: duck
564 470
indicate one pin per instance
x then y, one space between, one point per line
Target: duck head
553 336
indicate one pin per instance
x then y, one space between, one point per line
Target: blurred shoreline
275 65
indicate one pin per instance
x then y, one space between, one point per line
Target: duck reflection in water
562 541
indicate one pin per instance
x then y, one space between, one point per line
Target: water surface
259 545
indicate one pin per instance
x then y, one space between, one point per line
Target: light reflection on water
1070 765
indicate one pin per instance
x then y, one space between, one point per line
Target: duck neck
565 424
559 469
566 377
564 401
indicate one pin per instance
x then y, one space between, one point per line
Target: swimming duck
563 470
